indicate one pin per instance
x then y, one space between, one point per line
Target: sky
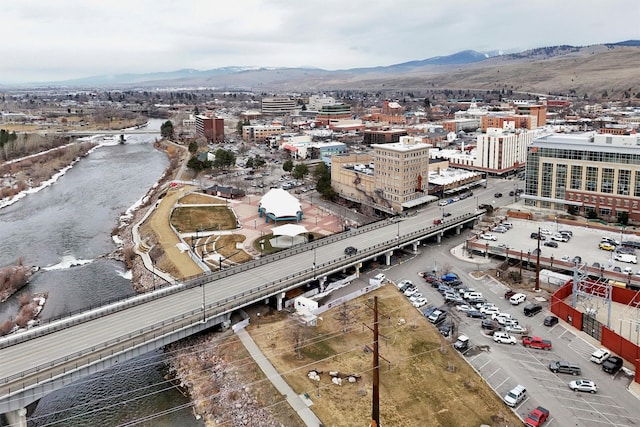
54 40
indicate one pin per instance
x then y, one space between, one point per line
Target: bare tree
347 315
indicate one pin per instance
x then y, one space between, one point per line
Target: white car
488 236
415 296
403 282
583 385
410 291
497 315
504 338
545 231
489 311
419 302
600 356
517 298
443 203
463 307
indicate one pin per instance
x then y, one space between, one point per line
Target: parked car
517 299
445 328
419 302
550 244
499 229
626 258
516 329
545 232
600 356
426 312
560 237
475 313
504 338
532 309
509 293
515 396
489 310
443 203
497 195
488 236
583 385
612 364
560 366
538 236
550 321
536 417
606 246
463 307
536 342
437 316
446 214
462 343
404 282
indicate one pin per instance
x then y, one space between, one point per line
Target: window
606 185
591 183
576 177
624 182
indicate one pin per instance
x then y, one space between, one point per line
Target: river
66 230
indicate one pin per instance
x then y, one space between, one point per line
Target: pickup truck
536 417
536 342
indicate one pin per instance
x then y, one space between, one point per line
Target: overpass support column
458 229
439 238
387 257
279 299
17 418
415 245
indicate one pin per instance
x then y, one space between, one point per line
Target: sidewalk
296 402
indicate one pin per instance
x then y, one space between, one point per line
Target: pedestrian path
296 402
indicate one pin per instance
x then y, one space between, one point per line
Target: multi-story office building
500 152
402 171
211 128
260 133
333 113
586 172
279 106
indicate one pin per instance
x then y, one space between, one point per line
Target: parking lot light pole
538 264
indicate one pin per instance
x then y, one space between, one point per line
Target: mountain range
611 67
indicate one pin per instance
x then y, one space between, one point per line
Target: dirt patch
193 218
424 378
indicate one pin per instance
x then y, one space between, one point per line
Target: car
437 221
504 338
550 321
497 195
512 193
426 312
463 307
560 366
545 231
626 258
462 343
606 246
583 385
600 355
410 291
560 237
498 315
406 286
532 309
404 282
499 229
437 316
506 320
537 417
567 232
612 364
350 250
609 240
476 314
515 396
419 302
516 329
517 299
453 299
487 236
445 328
443 203
507 225
446 214
538 236
489 324
509 293
489 311
551 244
415 296
617 269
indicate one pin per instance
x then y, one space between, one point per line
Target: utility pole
538 262
375 404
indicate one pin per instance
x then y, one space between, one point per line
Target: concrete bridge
55 354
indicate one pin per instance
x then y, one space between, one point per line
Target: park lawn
204 218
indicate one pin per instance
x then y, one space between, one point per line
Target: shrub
6 327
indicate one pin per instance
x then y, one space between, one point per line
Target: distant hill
612 67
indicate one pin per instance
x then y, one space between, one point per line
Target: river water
66 230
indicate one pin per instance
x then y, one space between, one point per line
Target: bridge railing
117 304
214 309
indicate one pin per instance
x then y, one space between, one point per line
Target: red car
536 417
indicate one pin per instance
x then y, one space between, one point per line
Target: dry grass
201 199
416 387
226 246
189 219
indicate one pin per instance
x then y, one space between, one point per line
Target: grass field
192 218
423 380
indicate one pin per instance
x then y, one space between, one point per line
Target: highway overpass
55 354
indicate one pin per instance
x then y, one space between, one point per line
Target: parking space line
494 372
500 385
485 364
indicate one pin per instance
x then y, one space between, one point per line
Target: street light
314 263
204 318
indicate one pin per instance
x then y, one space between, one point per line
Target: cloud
47 41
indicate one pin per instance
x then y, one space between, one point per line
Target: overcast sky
64 39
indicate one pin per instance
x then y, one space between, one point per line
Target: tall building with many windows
279 106
211 128
589 172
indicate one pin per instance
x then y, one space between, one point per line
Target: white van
600 356
517 299
378 279
626 258
515 395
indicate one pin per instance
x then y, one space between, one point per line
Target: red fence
610 339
